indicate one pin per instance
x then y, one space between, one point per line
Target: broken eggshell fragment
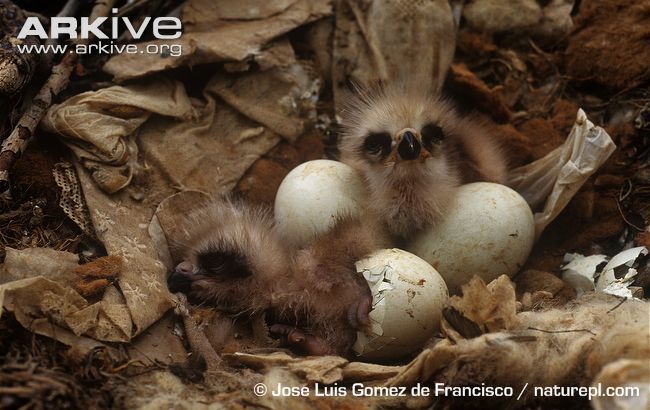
580 271
313 196
620 271
489 231
407 300
588 273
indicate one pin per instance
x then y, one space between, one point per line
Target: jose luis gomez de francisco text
357 390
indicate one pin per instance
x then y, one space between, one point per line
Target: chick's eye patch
432 134
223 264
377 143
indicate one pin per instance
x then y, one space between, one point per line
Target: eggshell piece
489 231
408 297
313 195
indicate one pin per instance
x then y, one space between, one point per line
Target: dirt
543 137
515 144
472 94
261 181
611 52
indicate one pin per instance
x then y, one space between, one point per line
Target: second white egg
313 196
489 231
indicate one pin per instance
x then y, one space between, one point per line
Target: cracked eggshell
620 272
407 300
313 195
580 271
489 231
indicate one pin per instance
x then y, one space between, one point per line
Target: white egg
488 232
313 195
407 300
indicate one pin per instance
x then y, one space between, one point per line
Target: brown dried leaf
492 307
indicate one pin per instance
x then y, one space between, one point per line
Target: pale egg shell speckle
313 195
488 232
408 297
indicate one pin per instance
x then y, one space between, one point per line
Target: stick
617 305
562 331
128 8
196 338
70 8
16 143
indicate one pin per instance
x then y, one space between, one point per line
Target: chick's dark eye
223 264
431 135
377 143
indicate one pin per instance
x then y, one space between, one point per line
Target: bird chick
312 297
414 151
232 256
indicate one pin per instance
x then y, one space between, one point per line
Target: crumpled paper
48 263
195 147
225 31
36 286
94 125
121 224
555 178
164 228
491 307
392 40
44 302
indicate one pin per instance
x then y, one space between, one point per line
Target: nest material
570 346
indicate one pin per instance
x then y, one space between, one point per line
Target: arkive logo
163 28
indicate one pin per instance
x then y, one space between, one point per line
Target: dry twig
70 8
196 338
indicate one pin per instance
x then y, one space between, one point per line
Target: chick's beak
409 147
180 279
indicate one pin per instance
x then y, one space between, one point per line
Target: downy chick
414 150
312 297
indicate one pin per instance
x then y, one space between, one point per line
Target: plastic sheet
554 179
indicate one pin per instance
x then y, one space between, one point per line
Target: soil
611 52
